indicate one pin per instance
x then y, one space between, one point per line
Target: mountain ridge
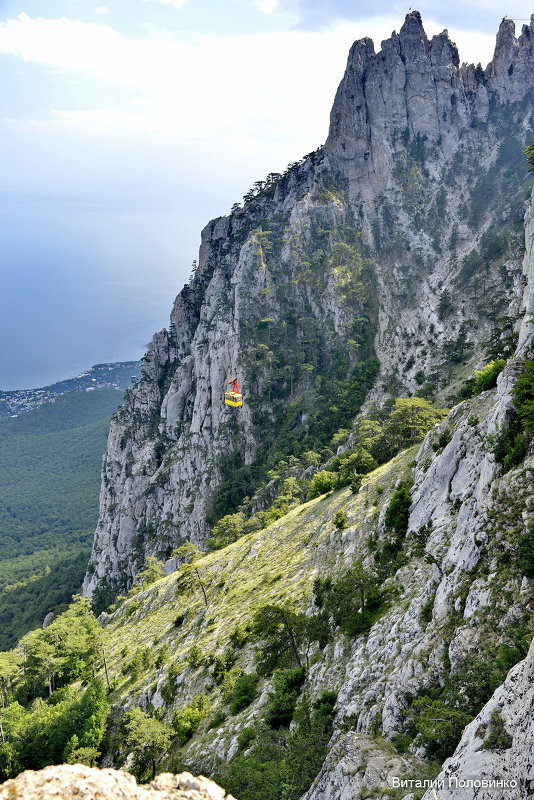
325 281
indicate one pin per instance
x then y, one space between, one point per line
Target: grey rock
411 133
78 782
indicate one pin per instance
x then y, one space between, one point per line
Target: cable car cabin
234 399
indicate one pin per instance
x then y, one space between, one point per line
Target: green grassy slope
49 484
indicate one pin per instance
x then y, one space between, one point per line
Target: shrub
222 663
283 698
282 631
360 461
227 530
398 510
194 657
353 602
281 763
523 394
525 553
218 719
168 691
498 737
442 439
141 661
441 714
245 737
486 378
356 482
440 727
427 608
341 520
244 692
84 755
151 572
131 608
162 656
185 721
239 636
322 482
508 445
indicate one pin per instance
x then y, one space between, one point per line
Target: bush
244 692
194 657
525 553
439 726
523 394
245 737
218 719
353 602
168 691
283 699
281 763
441 714
398 510
141 661
341 520
185 721
227 530
239 636
498 737
162 656
322 482
486 378
222 663
360 461
443 439
508 445
151 572
427 609
356 482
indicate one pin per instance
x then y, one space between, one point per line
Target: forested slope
49 483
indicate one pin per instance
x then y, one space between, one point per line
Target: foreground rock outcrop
78 782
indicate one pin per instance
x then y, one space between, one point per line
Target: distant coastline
116 375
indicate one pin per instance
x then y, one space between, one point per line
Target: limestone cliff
379 265
505 769
459 597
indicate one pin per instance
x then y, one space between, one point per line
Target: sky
127 126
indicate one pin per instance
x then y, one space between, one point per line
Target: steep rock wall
399 239
467 505
507 767
458 597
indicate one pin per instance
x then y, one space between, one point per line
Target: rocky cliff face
469 510
377 266
460 607
510 765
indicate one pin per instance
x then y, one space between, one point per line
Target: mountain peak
413 23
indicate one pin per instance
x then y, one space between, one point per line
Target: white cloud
262 99
267 6
102 10
175 3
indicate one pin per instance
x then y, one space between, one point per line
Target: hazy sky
126 126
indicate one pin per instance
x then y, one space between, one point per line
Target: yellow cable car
233 397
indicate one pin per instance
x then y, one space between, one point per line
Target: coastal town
118 375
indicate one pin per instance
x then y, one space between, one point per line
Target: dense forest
49 482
